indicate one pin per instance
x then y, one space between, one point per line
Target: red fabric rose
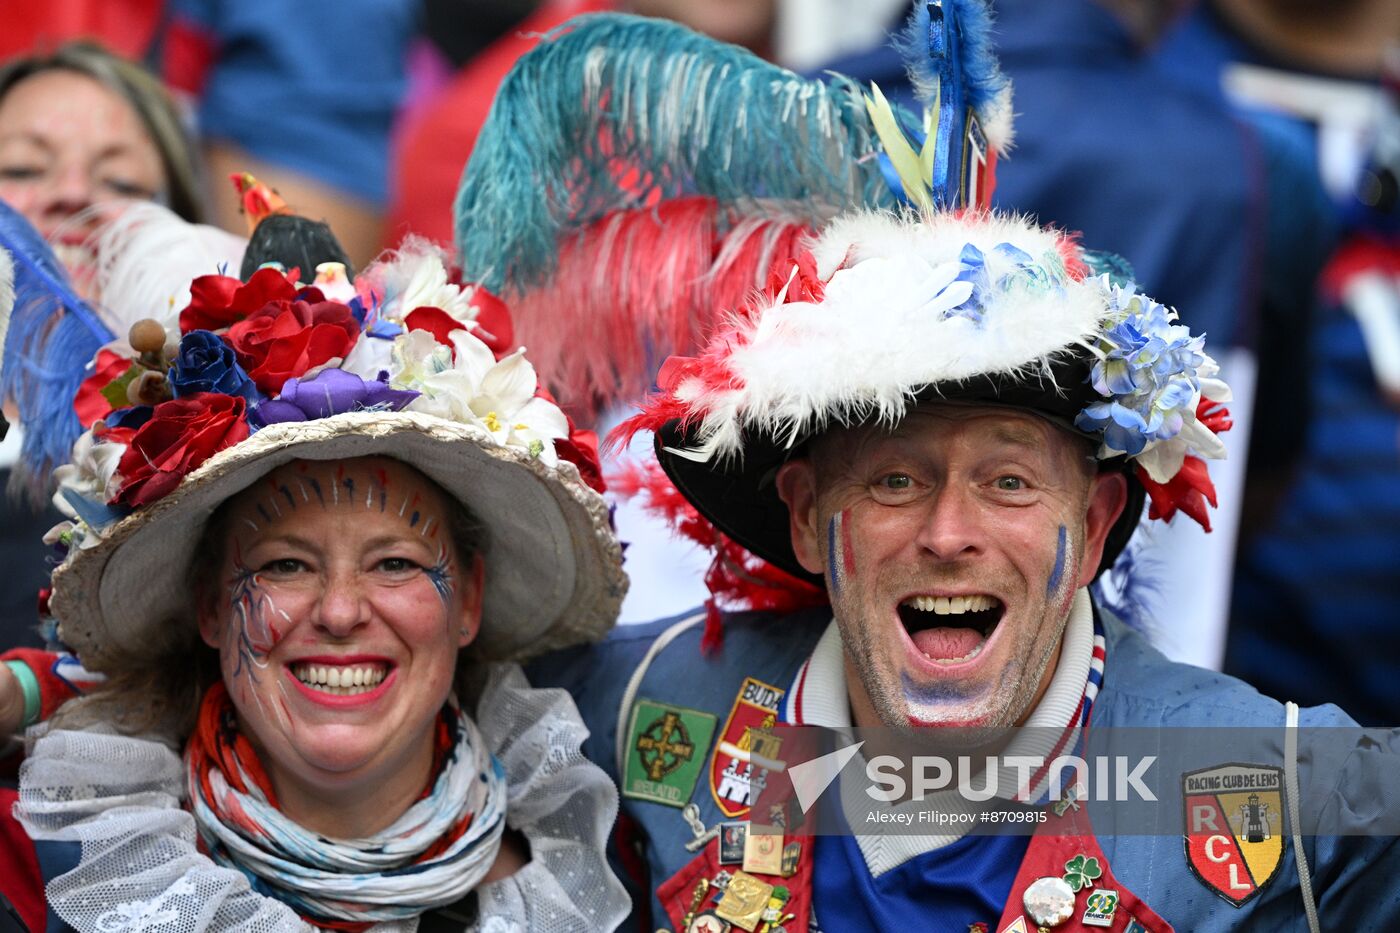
181 434
90 404
286 339
217 301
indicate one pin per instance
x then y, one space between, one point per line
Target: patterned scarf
434 854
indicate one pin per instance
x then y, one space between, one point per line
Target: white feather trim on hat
891 322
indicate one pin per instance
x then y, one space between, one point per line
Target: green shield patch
666 750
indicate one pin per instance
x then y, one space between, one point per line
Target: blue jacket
1355 878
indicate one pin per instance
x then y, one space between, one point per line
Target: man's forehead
990 423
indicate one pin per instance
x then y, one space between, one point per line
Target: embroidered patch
744 755
665 752
1234 828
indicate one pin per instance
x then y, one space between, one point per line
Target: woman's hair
159 693
146 96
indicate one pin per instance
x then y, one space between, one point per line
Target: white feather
880 332
146 258
998 123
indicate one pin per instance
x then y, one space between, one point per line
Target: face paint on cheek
252 636
1057 574
254 615
440 574
840 554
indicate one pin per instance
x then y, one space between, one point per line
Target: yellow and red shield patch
738 769
1234 828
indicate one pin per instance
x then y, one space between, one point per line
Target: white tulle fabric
119 798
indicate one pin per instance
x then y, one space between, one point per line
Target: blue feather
1130 587
51 338
612 111
982 79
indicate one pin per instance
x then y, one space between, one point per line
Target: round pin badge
1049 901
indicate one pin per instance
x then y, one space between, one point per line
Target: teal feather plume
613 113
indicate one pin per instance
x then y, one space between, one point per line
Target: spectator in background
79 128
303 96
1314 605
82 127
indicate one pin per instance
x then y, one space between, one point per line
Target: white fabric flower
1163 460
370 356
510 410
428 287
467 384
89 474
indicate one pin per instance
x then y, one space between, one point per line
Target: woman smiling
306 599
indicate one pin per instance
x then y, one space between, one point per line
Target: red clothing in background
435 147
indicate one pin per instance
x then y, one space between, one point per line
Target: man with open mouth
945 424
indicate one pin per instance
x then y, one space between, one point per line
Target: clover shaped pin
1080 872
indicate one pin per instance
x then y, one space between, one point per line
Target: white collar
820 698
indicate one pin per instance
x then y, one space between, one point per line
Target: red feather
738 579
638 286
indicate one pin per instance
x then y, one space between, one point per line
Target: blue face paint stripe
441 578
1059 571
926 695
288 493
263 512
316 488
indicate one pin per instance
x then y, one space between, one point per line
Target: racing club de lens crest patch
665 752
738 771
1234 828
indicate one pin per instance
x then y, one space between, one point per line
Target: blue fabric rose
207 364
329 392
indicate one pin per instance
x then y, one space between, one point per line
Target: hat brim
739 496
553 567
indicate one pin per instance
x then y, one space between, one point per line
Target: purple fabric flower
329 392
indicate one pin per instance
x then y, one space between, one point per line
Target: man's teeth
951 605
340 680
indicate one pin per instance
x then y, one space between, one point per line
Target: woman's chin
342 751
